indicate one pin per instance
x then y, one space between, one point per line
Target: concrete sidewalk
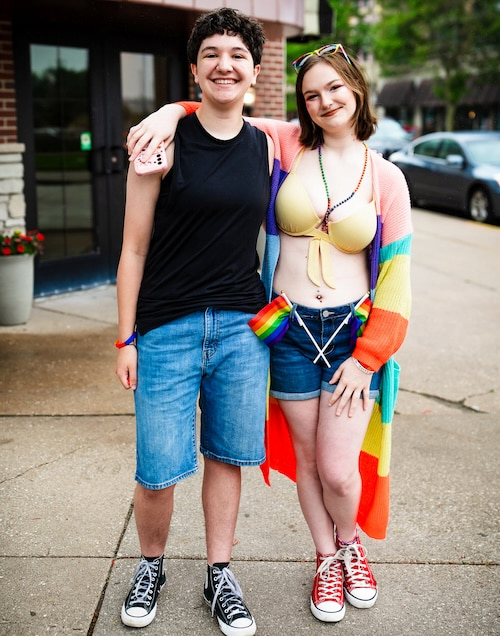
68 544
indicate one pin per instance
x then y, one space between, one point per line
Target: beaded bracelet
128 341
358 364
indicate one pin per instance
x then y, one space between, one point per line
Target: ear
256 71
194 71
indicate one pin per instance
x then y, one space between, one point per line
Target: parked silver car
388 137
459 171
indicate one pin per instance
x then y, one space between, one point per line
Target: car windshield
485 151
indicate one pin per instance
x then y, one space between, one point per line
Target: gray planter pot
16 288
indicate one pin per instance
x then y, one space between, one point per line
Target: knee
306 463
151 496
339 482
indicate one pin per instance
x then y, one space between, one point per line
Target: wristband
358 364
128 341
189 107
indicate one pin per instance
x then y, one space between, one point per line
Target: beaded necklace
329 207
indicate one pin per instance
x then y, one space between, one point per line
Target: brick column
12 203
270 90
8 118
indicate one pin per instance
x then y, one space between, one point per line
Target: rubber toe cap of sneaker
135 612
137 616
328 611
364 593
242 623
239 627
362 597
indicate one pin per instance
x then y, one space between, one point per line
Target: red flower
18 242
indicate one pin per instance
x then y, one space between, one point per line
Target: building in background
414 104
75 75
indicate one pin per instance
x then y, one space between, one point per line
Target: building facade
414 103
74 76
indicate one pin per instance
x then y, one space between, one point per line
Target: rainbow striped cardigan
383 333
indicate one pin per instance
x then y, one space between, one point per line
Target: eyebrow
328 85
233 49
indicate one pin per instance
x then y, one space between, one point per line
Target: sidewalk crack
97 610
455 404
41 465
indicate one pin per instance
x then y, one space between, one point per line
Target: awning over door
401 93
485 94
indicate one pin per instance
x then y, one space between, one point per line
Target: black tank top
207 219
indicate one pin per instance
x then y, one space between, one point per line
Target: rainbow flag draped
361 314
272 322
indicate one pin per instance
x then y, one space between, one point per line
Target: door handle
108 160
117 157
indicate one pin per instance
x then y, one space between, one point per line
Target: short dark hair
352 75
232 22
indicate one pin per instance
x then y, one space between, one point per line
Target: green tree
452 40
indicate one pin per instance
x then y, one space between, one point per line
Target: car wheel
479 205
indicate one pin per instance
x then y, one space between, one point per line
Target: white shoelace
354 558
144 578
230 593
329 584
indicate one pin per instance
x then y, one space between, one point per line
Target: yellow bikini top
296 216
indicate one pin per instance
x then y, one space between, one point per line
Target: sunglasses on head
327 50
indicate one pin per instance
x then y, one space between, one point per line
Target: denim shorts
294 375
213 355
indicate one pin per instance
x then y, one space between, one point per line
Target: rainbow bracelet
128 341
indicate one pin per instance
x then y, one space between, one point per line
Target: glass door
80 85
62 143
84 100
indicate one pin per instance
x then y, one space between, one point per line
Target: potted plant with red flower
17 254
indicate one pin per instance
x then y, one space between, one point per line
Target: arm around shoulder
285 136
157 127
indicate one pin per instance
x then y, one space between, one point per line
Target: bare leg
302 418
153 513
221 499
339 442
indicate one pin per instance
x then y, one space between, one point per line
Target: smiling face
332 95
224 69
330 104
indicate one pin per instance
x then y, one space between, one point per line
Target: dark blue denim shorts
294 374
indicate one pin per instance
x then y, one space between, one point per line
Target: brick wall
270 90
8 119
